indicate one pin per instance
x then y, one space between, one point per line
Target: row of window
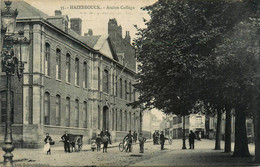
67 66
127 86
115 120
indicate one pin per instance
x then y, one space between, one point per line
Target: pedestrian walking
141 142
135 136
105 140
66 140
192 137
162 139
47 146
129 139
98 142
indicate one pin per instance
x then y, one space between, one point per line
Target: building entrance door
105 118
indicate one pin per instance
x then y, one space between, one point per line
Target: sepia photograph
129 83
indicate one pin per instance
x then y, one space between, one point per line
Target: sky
96 13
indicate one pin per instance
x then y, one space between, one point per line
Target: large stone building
74 83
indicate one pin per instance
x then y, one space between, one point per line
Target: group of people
105 138
129 138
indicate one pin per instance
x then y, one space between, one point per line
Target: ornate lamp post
10 65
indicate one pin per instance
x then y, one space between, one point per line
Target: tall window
130 119
77 113
76 71
67 111
125 121
3 107
113 119
121 120
125 90
98 78
67 68
121 88
105 81
99 117
116 87
116 120
130 91
134 121
85 114
47 59
58 110
134 95
85 73
47 108
58 64
113 77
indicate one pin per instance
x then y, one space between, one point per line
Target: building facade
74 83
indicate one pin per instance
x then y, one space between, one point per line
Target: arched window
58 110
121 89
85 73
105 81
77 113
46 108
68 67
98 78
125 90
130 91
58 64
76 71
134 121
67 111
47 59
85 114
113 119
99 117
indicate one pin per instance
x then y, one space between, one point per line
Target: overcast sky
126 12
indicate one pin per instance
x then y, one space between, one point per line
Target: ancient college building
80 84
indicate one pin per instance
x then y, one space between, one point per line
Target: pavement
172 155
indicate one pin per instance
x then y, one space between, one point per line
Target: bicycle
123 146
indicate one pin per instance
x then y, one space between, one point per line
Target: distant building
150 122
74 83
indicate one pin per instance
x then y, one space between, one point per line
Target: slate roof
25 10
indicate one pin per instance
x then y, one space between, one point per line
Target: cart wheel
121 147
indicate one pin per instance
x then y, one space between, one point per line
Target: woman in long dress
47 147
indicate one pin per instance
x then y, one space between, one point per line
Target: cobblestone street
173 155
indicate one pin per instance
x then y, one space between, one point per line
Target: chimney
90 32
75 25
127 36
58 13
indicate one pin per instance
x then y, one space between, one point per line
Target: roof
90 40
25 10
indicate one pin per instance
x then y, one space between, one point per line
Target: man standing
129 139
105 140
191 139
66 140
109 136
162 139
141 142
135 136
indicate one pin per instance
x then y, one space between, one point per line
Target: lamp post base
8 156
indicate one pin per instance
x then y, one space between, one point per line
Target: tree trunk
241 143
218 131
257 135
228 131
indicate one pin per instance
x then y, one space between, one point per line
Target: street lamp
10 65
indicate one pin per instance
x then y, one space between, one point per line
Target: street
173 155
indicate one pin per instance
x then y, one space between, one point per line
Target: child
98 142
141 142
47 141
